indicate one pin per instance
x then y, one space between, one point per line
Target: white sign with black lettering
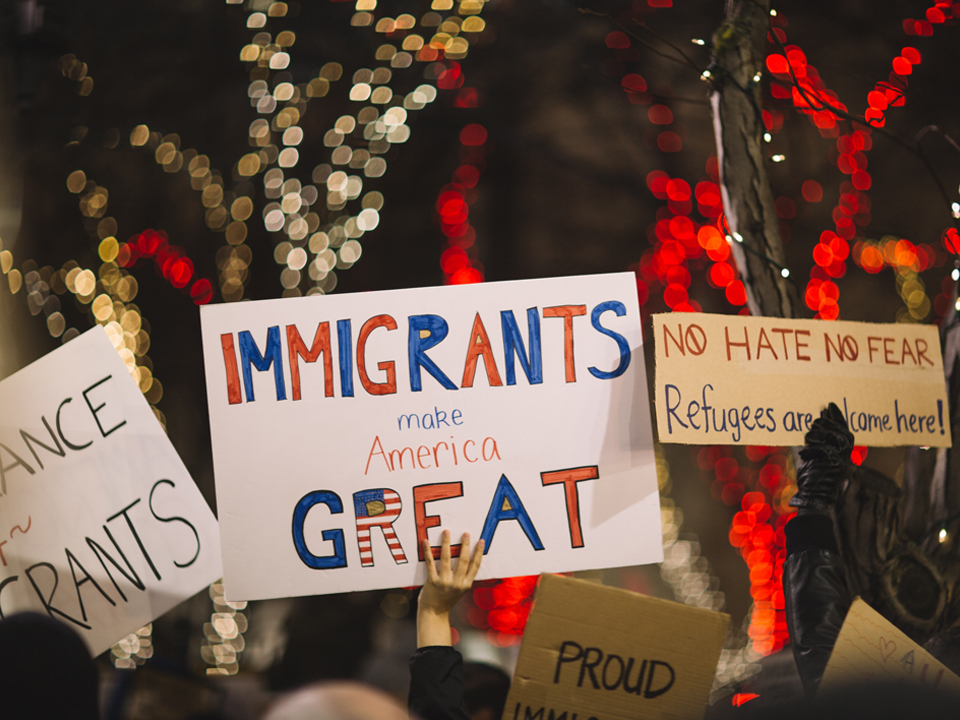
101 525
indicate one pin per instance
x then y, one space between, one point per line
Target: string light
693 582
223 636
810 96
459 259
107 295
134 649
323 227
908 260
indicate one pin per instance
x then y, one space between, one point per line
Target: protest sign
736 380
346 427
870 649
591 651
101 525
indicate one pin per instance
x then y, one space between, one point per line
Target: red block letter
296 349
480 345
568 313
390 386
233 376
570 478
422 494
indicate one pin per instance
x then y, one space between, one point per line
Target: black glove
826 461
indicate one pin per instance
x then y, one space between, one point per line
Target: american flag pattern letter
377 508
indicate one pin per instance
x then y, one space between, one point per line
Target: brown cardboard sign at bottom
591 651
870 649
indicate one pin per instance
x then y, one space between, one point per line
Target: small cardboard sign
600 652
101 525
737 380
870 649
346 428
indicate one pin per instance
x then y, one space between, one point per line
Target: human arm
436 669
815 589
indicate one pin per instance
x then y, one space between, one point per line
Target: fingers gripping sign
444 587
826 462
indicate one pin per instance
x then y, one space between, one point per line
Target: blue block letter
250 355
317 562
506 505
513 344
426 331
621 341
345 343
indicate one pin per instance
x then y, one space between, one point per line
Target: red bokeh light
741 698
181 271
633 82
171 262
902 66
911 54
451 78
668 141
201 292
466 176
858 455
951 240
617 40
473 135
811 191
777 64
660 115
677 190
722 274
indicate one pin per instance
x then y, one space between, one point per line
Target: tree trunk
739 52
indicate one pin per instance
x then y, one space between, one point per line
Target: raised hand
444 588
826 461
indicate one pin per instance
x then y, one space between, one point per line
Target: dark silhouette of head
46 671
337 700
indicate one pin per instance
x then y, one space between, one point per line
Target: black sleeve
815 592
436 684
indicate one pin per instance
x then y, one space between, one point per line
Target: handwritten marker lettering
762 381
523 348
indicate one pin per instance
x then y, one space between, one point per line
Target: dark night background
563 189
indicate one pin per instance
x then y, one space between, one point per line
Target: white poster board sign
101 525
345 427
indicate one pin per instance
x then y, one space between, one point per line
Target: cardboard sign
735 380
871 649
599 652
347 427
101 525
